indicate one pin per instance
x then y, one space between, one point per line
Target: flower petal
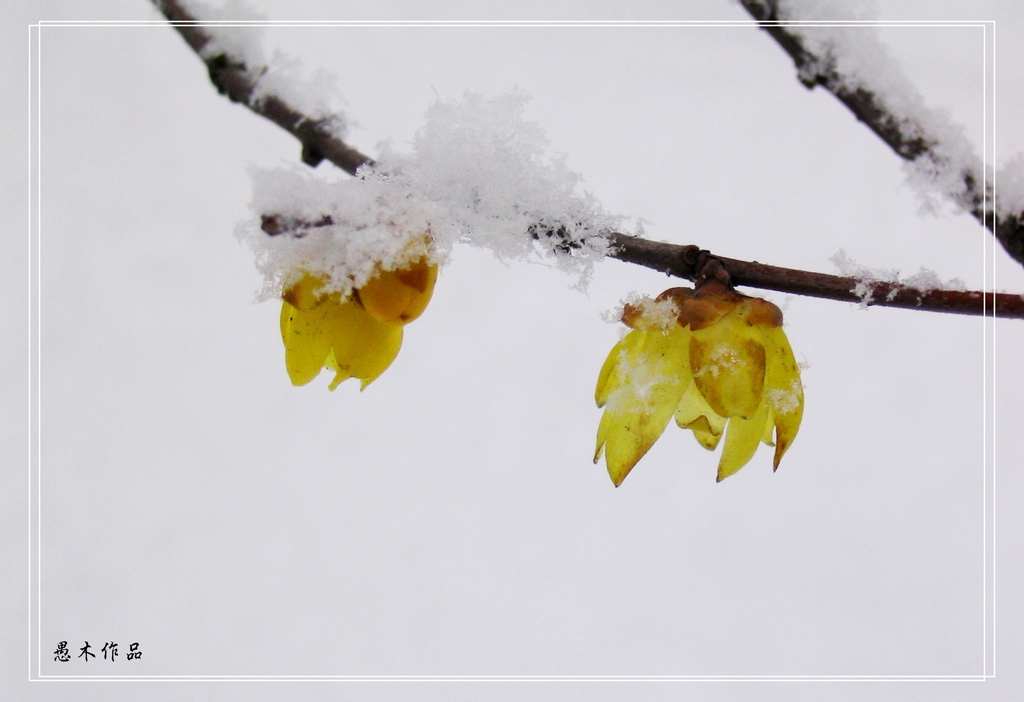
363 347
728 363
305 343
626 347
741 441
641 385
400 296
304 294
784 392
340 376
769 426
694 413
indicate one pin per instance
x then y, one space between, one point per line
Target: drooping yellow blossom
357 336
717 361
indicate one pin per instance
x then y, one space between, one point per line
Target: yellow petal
304 294
741 441
623 440
728 363
784 392
641 384
340 376
769 426
363 347
694 413
400 296
626 347
305 343
704 433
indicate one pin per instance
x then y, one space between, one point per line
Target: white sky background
448 520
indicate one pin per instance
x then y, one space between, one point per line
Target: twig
238 82
691 262
904 135
687 262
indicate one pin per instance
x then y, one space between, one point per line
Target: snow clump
477 173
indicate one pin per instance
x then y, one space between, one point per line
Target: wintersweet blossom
358 335
717 361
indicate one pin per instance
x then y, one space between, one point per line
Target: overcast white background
448 520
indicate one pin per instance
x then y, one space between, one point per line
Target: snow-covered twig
690 262
239 82
897 115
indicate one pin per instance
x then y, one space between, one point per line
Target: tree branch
904 135
238 82
690 262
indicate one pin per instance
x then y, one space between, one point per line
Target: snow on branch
237 69
920 292
477 174
940 159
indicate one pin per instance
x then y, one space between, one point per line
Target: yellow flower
711 357
357 336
